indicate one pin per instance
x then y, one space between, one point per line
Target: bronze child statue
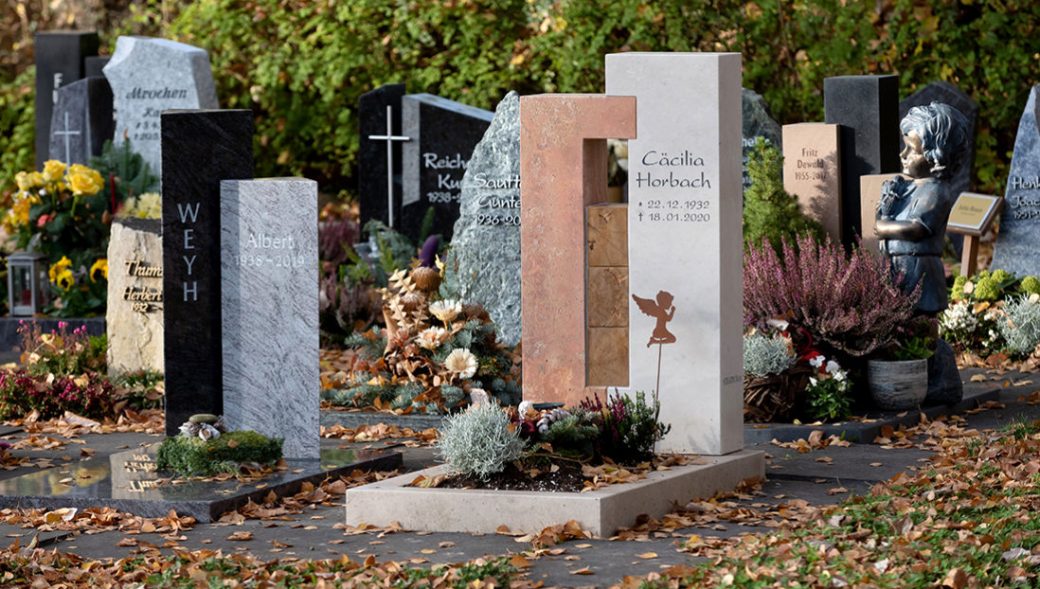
912 213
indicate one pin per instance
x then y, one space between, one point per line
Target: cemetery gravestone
82 121
485 250
269 273
685 248
755 123
563 163
1016 249
867 108
200 149
812 172
149 76
59 61
379 157
870 188
442 134
134 316
94 66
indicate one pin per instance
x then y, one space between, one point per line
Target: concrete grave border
601 512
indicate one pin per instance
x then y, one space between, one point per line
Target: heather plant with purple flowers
61 352
631 426
848 302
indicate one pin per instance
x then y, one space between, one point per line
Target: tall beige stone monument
684 236
812 172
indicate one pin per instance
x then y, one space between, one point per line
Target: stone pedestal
269 294
134 319
684 242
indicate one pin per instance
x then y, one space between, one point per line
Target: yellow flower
84 181
28 180
20 211
60 266
65 280
53 170
99 267
461 362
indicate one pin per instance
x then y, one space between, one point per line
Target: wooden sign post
971 217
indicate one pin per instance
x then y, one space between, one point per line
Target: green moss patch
195 457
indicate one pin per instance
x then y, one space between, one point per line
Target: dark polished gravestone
867 108
200 148
379 112
443 134
82 121
1018 242
59 61
94 66
130 481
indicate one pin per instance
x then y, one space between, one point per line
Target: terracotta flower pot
897 385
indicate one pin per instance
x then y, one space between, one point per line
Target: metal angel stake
664 311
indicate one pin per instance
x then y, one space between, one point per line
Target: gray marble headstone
1018 243
81 121
485 249
755 123
269 301
149 76
60 59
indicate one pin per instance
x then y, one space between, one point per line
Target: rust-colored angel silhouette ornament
664 311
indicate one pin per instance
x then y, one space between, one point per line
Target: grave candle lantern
27 284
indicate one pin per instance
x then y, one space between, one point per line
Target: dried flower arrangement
433 354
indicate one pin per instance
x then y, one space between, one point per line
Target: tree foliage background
302 64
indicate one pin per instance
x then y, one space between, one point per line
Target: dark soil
567 479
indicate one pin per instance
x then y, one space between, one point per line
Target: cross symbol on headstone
66 133
389 138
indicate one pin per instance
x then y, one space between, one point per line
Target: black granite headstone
82 121
1018 242
867 108
199 149
443 134
947 93
373 156
59 62
93 66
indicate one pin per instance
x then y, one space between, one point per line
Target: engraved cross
66 133
389 138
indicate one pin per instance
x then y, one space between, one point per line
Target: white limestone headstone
149 76
684 235
269 309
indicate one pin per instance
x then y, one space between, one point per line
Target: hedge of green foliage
302 64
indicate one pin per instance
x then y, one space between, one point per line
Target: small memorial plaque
972 213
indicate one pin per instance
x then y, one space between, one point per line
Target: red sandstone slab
563 161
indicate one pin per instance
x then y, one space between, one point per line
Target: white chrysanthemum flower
446 310
817 361
431 338
833 367
461 362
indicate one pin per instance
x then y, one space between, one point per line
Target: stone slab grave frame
60 57
563 164
149 76
812 172
1017 248
269 314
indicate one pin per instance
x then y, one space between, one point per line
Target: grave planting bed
601 512
128 481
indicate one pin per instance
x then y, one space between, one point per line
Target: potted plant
898 377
